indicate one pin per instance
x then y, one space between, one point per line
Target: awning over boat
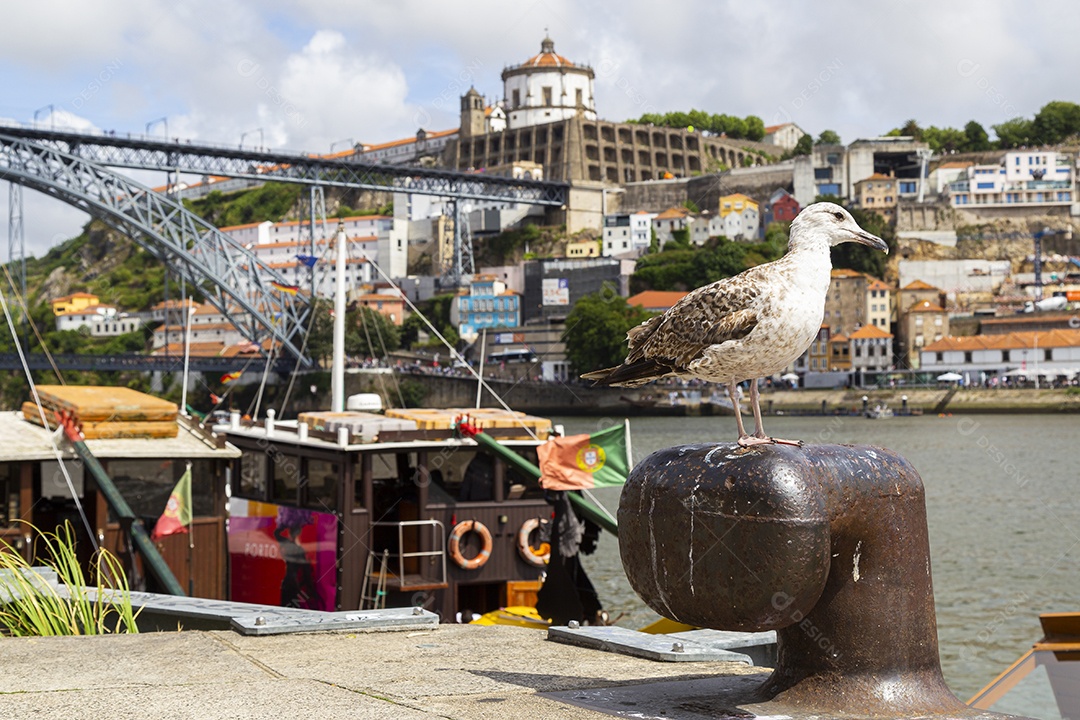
21 440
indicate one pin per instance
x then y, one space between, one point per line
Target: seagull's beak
865 238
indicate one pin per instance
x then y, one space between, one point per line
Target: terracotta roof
673 213
656 298
869 332
1008 341
919 285
878 176
434 134
839 273
547 57
841 338
879 285
229 228
380 297
195 328
926 306
196 349
773 128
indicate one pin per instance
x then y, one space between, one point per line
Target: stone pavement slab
453 671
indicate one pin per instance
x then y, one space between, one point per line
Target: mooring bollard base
725 698
825 544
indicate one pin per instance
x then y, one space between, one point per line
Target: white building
213 332
372 238
670 221
704 226
1023 177
739 214
407 151
627 233
99 321
546 88
1049 351
785 135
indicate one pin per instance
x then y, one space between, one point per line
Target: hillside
119 271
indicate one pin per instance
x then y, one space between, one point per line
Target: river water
1004 518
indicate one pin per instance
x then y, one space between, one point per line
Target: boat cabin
36 496
353 511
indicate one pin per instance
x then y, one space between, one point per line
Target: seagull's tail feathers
632 375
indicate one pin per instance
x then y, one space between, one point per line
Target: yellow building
739 216
878 193
76 302
587 248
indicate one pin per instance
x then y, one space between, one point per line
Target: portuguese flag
581 462
177 515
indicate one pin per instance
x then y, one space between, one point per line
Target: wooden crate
97 403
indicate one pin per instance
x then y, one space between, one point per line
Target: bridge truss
232 278
156 154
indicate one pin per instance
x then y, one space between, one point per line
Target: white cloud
328 91
310 74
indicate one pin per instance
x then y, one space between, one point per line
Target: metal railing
438 551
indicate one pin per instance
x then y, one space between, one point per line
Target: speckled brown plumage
749 326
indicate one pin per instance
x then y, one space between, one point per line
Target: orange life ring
539 557
454 545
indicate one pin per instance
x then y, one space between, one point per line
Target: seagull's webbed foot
752 440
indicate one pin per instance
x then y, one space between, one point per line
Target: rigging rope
33 325
45 423
453 351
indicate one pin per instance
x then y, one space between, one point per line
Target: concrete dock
449 671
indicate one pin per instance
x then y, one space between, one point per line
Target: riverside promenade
449 671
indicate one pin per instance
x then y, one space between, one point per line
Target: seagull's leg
745 440
759 431
755 405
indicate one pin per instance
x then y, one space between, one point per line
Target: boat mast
337 371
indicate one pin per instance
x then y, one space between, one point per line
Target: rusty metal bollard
826 544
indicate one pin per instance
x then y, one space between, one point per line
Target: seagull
745 327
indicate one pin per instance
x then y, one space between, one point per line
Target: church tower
472 114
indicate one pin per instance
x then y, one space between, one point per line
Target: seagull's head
831 222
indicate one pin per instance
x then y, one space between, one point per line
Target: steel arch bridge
230 275
146 153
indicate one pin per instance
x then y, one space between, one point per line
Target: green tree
911 129
1015 133
804 147
944 140
755 128
828 137
369 333
977 139
596 330
1055 122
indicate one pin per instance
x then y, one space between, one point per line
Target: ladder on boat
374 593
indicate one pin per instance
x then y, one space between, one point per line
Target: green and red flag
177 515
581 462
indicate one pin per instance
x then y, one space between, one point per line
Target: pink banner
282 555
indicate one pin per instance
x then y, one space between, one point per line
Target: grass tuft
31 606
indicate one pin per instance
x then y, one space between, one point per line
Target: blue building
488 304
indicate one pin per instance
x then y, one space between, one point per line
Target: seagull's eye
838 215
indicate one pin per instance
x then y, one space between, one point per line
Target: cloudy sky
311 75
